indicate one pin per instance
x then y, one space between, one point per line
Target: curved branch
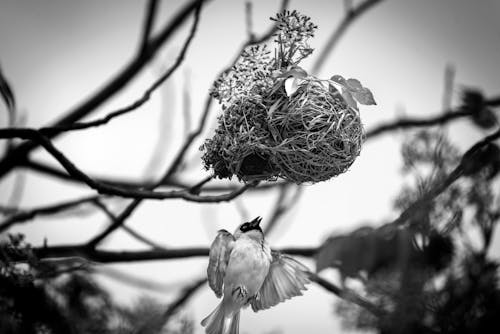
25 215
347 294
143 99
148 24
108 189
19 154
440 119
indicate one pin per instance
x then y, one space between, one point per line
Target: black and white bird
244 271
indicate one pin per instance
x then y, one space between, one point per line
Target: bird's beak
255 223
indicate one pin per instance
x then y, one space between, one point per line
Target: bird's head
250 229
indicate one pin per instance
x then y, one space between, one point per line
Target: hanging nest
279 122
311 136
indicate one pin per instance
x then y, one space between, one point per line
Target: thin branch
349 18
25 215
105 256
103 188
347 294
441 119
152 6
60 174
19 154
186 105
405 123
282 206
143 99
186 293
127 229
139 282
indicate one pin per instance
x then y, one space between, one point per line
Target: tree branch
152 6
440 119
143 99
60 174
19 154
25 215
108 189
347 294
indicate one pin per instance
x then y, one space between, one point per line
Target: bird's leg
250 299
240 293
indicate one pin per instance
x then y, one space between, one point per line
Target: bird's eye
244 227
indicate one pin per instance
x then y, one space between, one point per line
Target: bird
243 270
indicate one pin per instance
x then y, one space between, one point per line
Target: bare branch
441 119
143 99
60 174
282 205
152 6
25 215
347 294
107 189
186 293
349 18
127 229
19 154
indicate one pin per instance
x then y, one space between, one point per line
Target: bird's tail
222 322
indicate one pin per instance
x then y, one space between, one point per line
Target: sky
56 53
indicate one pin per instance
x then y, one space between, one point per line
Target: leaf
339 79
291 86
364 96
354 85
349 99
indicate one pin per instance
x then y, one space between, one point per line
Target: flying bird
245 271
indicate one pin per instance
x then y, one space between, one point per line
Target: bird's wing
219 257
286 278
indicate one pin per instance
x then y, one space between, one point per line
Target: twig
441 119
51 171
103 188
404 123
348 19
139 282
25 215
19 154
348 295
143 99
282 206
127 229
186 293
152 6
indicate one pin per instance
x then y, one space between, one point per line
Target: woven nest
311 136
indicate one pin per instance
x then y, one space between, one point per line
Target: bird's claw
240 293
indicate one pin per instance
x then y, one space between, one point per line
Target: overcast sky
56 53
